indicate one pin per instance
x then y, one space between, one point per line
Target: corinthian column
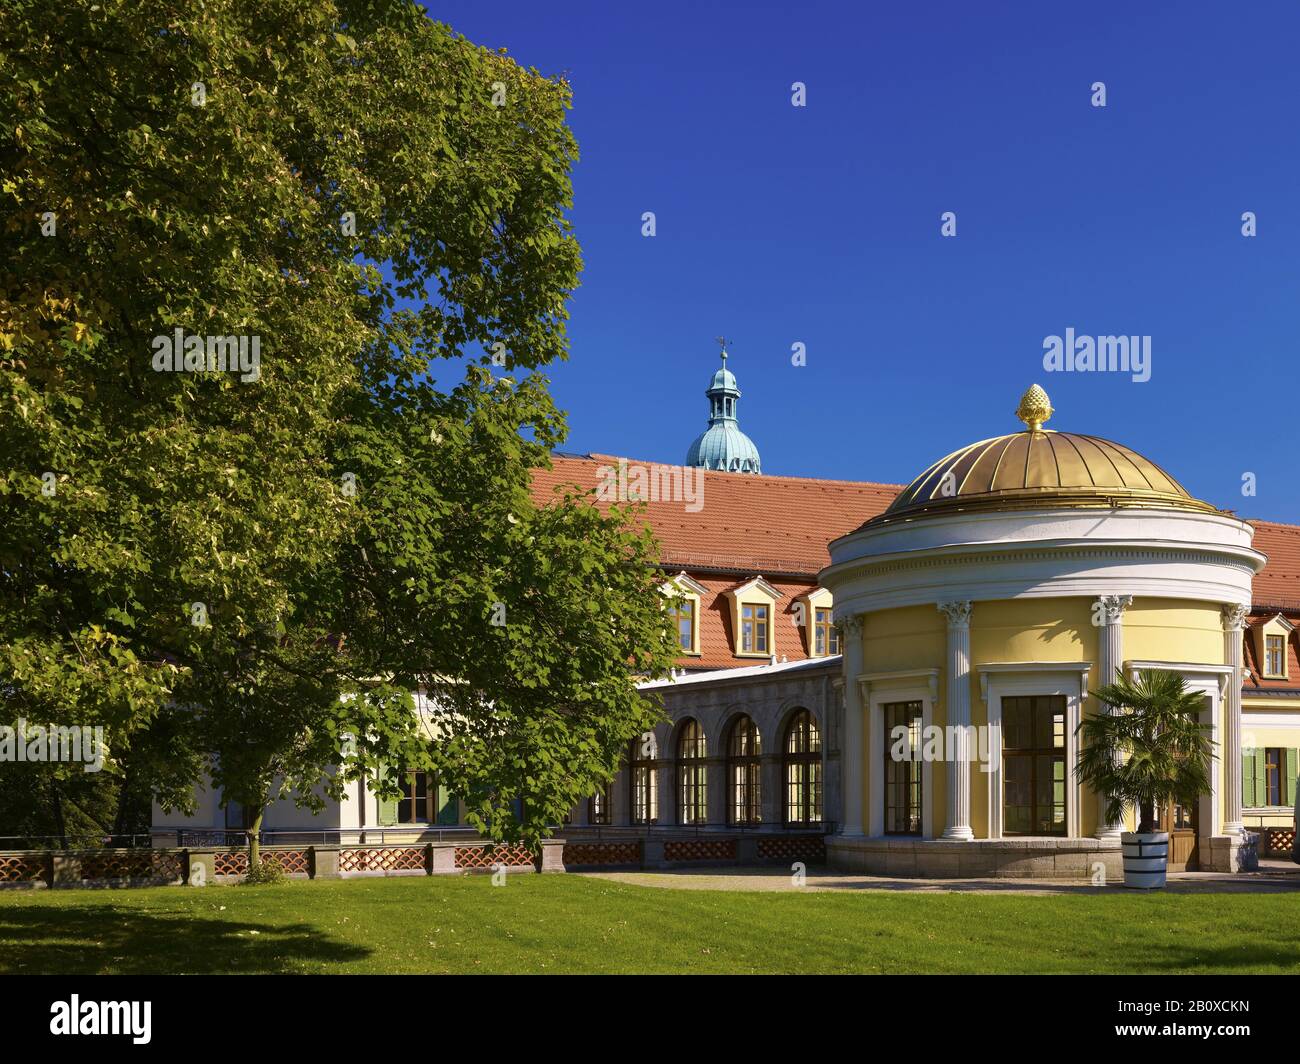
1234 622
958 614
1108 611
851 743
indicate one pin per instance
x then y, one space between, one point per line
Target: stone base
1229 853
1088 859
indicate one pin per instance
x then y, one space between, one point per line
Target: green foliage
1151 750
264 874
337 180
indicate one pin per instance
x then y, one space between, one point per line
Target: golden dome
1040 469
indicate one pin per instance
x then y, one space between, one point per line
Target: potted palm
1150 750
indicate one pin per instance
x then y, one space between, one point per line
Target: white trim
931 676
999 680
1250 718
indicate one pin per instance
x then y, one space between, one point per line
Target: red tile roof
779 527
1278 584
747 523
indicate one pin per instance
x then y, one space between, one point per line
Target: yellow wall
1027 630
1165 630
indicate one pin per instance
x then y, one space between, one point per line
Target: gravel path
1274 877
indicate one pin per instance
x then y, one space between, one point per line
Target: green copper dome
722 445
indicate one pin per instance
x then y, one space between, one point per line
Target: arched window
803 771
692 804
744 784
644 779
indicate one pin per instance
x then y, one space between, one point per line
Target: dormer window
1271 647
814 612
685 596
753 606
826 637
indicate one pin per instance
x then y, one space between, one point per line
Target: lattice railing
700 850
792 848
1277 840
291 862
383 859
602 853
22 868
130 864
235 862
488 856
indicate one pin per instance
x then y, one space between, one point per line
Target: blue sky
821 225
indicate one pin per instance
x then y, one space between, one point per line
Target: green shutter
1288 778
387 806
1261 779
1248 778
446 812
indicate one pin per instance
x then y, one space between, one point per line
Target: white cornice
1083 668
1043 553
929 676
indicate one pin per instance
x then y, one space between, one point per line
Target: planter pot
1146 859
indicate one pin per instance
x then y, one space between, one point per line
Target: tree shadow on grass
94 940
1244 958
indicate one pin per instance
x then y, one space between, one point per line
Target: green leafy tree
1152 749
252 572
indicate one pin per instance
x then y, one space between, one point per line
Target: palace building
999 589
979 606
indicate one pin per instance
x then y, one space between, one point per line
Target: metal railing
624 832
413 835
76 842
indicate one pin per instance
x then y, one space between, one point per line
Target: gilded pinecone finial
1035 408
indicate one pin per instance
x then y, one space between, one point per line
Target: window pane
744 797
1034 790
903 797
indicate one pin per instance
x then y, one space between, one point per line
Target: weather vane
722 342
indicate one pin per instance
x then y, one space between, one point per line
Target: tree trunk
255 839
56 802
1148 823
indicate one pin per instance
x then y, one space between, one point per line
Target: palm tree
1150 750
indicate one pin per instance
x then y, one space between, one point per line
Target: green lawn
578 924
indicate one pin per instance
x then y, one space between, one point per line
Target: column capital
851 625
1109 609
958 613
1234 617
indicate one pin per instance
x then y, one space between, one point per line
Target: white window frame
1018 679
879 688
